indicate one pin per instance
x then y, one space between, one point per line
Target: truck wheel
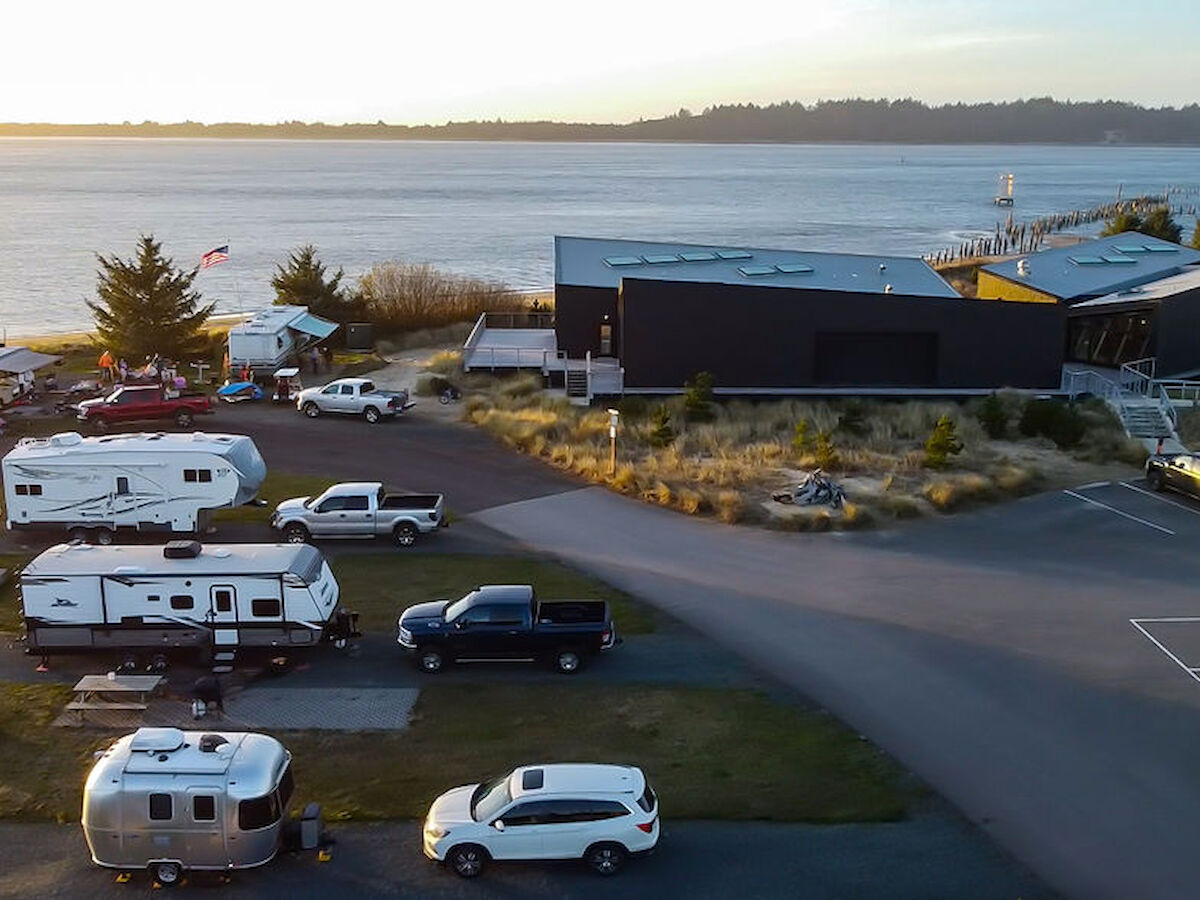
296 534
99 424
183 418
311 409
605 859
405 534
430 660
567 661
104 537
166 873
371 414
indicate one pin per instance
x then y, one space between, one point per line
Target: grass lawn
710 753
276 486
380 585
10 604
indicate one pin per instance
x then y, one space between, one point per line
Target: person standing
123 369
106 365
315 356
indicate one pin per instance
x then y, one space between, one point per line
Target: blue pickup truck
506 621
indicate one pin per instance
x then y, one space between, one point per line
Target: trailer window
182 601
264 606
204 808
160 807
258 813
191 475
204 474
35 490
122 485
23 489
223 600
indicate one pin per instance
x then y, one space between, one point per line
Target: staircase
577 383
1145 419
223 660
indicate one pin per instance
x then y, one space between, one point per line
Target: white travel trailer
215 598
273 335
91 486
170 800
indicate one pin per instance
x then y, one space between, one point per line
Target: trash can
310 827
360 337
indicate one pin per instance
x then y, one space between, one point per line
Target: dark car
506 621
1175 471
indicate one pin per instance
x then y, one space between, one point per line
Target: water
492 209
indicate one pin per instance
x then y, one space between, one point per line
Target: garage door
877 360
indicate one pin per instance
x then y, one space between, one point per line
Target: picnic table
118 692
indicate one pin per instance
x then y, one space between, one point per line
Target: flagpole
236 288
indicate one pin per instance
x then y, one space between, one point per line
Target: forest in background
1038 120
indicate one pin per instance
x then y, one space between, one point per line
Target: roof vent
156 740
181 550
882 268
1022 267
66 439
210 742
533 779
887 288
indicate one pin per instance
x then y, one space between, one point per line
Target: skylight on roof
1087 260
659 258
794 268
734 254
1119 260
1130 248
698 256
753 271
623 260
1161 248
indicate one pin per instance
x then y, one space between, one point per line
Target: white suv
598 813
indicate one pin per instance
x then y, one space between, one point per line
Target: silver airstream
170 800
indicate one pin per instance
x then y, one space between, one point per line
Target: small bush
662 433
729 507
521 386
825 453
633 407
943 443
697 398
802 441
993 417
853 420
953 493
1047 418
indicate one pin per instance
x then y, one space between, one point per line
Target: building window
204 808
160 807
182 601
264 606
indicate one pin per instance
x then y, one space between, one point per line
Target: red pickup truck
138 402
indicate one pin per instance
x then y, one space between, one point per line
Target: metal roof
225 559
1150 292
603 262
1098 267
21 359
71 443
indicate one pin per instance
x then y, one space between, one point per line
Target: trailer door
203 822
223 614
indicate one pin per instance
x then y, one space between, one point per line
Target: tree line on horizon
1036 120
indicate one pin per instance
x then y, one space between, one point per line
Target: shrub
825 453
942 443
697 398
802 437
633 407
853 420
662 433
402 296
1046 418
729 507
993 417
953 493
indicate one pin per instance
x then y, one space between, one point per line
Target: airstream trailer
169 800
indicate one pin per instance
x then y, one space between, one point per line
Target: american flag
215 257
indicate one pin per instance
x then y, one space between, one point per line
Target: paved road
992 654
933 856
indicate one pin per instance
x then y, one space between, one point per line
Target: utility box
310 827
360 337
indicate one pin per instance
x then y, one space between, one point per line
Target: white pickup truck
359 509
353 396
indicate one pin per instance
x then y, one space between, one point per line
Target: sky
413 62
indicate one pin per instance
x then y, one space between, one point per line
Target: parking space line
1136 623
1160 498
1121 513
1094 484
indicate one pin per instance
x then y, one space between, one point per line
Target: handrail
476 332
1095 383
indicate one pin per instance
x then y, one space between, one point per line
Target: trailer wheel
371 414
311 409
296 534
104 537
78 534
405 534
183 418
166 873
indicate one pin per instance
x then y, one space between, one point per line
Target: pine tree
302 282
662 433
147 306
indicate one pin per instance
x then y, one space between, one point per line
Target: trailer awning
314 326
16 360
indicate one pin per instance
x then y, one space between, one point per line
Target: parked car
353 396
1175 471
359 509
600 814
142 402
506 621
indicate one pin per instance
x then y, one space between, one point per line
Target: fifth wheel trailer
91 486
214 598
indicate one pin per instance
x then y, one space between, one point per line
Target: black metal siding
578 315
1176 342
761 337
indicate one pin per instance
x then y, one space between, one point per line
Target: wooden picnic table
120 692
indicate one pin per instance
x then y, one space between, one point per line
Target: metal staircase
1141 402
577 383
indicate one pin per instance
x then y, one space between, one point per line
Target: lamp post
614 416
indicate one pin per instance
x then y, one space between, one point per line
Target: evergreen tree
302 282
147 306
697 398
662 433
1158 223
826 454
943 442
1124 221
993 417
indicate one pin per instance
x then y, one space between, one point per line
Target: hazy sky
413 62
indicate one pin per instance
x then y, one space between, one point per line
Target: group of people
117 371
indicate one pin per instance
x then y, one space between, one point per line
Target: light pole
614 416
